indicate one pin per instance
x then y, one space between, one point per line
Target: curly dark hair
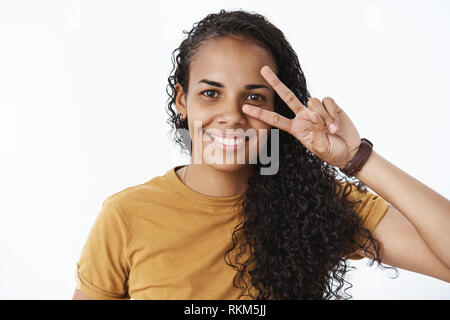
298 226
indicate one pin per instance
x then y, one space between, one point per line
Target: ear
180 100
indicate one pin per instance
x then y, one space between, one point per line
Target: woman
227 229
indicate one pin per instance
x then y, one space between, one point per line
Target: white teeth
230 142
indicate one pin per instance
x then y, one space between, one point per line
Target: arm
426 210
79 295
403 247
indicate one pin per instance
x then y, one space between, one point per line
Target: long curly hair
298 227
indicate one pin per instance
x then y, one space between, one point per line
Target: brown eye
256 95
207 95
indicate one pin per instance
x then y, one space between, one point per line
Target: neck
211 181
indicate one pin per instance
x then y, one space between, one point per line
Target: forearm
426 209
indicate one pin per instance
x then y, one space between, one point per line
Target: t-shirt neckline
198 197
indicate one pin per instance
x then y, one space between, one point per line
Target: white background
82 113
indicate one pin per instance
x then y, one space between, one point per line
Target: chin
233 167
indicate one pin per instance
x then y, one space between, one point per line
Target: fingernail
333 126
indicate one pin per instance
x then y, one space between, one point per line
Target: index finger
269 117
284 92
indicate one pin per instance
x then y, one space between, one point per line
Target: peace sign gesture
311 126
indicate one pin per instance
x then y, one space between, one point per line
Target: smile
228 144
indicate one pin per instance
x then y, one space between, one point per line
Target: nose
232 115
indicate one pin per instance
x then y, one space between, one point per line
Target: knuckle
327 100
276 118
290 97
276 82
330 107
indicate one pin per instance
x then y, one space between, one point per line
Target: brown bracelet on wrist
359 159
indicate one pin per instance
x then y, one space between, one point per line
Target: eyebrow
247 87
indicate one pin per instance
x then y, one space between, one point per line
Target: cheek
199 119
262 131
259 126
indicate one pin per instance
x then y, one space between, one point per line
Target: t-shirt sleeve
103 268
371 210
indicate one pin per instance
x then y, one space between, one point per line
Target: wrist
352 154
358 157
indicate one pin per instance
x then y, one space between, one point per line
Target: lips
231 140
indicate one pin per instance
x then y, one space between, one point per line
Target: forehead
232 58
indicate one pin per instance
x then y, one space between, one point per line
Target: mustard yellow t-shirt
163 240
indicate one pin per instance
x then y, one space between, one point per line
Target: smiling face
225 75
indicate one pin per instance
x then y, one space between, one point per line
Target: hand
311 126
